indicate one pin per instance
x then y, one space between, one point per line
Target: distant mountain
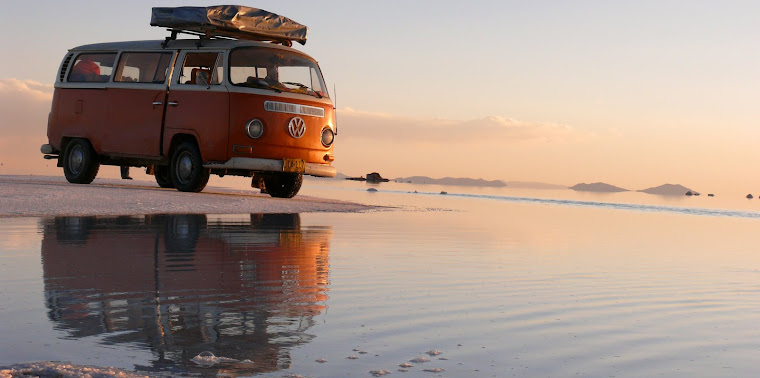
668 190
455 181
534 185
597 187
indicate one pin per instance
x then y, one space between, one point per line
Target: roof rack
212 34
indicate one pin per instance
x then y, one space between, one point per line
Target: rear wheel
186 170
283 185
163 176
80 162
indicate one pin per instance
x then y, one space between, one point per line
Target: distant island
370 177
461 182
454 181
597 187
669 190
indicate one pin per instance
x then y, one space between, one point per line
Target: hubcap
184 167
181 229
76 160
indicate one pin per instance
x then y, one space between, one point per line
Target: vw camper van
232 99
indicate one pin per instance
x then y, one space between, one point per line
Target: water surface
498 287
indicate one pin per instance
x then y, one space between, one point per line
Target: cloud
25 105
29 88
493 147
498 129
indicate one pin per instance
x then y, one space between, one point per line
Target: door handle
172 103
157 103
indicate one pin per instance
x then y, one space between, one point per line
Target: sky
635 94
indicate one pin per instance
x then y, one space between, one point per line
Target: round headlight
254 128
328 137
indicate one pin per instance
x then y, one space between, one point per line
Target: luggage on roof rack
230 21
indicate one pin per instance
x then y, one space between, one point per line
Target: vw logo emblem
296 127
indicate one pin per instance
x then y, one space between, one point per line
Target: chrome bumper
271 165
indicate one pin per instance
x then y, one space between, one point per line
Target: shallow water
488 286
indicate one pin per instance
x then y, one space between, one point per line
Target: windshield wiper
296 84
309 90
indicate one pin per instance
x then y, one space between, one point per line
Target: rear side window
202 69
139 67
92 67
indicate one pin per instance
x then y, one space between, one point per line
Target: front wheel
80 162
283 185
186 169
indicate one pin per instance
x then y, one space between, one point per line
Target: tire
283 185
182 233
163 176
73 230
186 170
80 162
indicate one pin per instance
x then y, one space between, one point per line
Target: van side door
136 97
198 103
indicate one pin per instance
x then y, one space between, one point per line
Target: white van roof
180 44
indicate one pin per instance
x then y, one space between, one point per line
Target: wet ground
46 195
452 286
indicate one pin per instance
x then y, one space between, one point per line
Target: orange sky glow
622 94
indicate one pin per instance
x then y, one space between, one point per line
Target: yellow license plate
292 238
293 165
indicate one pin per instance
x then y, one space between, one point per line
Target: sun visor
230 21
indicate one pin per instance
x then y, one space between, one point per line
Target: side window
143 67
92 68
202 69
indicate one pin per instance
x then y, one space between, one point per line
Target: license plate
290 238
293 165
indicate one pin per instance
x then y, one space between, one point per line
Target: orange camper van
232 99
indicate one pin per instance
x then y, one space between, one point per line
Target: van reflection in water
245 290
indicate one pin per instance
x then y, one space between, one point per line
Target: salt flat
46 195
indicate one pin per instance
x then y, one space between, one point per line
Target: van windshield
277 70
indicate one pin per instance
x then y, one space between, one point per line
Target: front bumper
271 165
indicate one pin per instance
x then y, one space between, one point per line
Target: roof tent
230 21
